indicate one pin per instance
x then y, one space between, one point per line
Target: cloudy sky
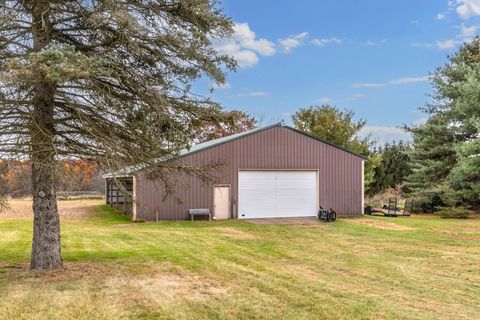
371 56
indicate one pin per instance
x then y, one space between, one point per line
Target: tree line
70 175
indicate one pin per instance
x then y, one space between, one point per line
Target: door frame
273 169
223 185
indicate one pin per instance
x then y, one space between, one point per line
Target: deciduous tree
333 125
229 123
339 128
393 168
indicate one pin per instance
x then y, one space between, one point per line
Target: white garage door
277 194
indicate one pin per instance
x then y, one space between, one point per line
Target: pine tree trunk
46 224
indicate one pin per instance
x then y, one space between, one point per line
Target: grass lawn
366 268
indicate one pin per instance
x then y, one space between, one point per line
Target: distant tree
19 178
70 175
445 148
4 186
3 203
371 166
108 81
339 128
76 175
229 123
393 168
332 125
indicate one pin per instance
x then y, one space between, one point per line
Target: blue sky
371 56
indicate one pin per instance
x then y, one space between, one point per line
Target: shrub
453 213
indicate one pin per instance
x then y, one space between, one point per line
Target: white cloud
325 100
322 42
375 42
414 22
468 32
383 134
358 95
441 16
448 44
368 85
247 39
409 80
398 81
245 58
293 41
420 122
351 98
225 85
422 45
468 8
253 94
244 47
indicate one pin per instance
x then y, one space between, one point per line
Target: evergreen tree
464 178
108 81
433 154
445 148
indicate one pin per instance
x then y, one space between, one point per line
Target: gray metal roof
212 143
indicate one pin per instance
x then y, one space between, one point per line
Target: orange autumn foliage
71 174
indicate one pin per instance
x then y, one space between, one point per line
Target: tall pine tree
445 147
108 81
464 178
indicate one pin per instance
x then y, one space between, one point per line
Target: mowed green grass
366 268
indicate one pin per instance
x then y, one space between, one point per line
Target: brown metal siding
340 173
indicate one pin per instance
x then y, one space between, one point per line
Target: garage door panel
265 194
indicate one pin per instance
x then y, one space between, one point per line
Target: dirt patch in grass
379 224
236 233
462 236
156 280
160 286
71 271
68 210
103 291
469 228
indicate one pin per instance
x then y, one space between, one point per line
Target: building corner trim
134 198
363 187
